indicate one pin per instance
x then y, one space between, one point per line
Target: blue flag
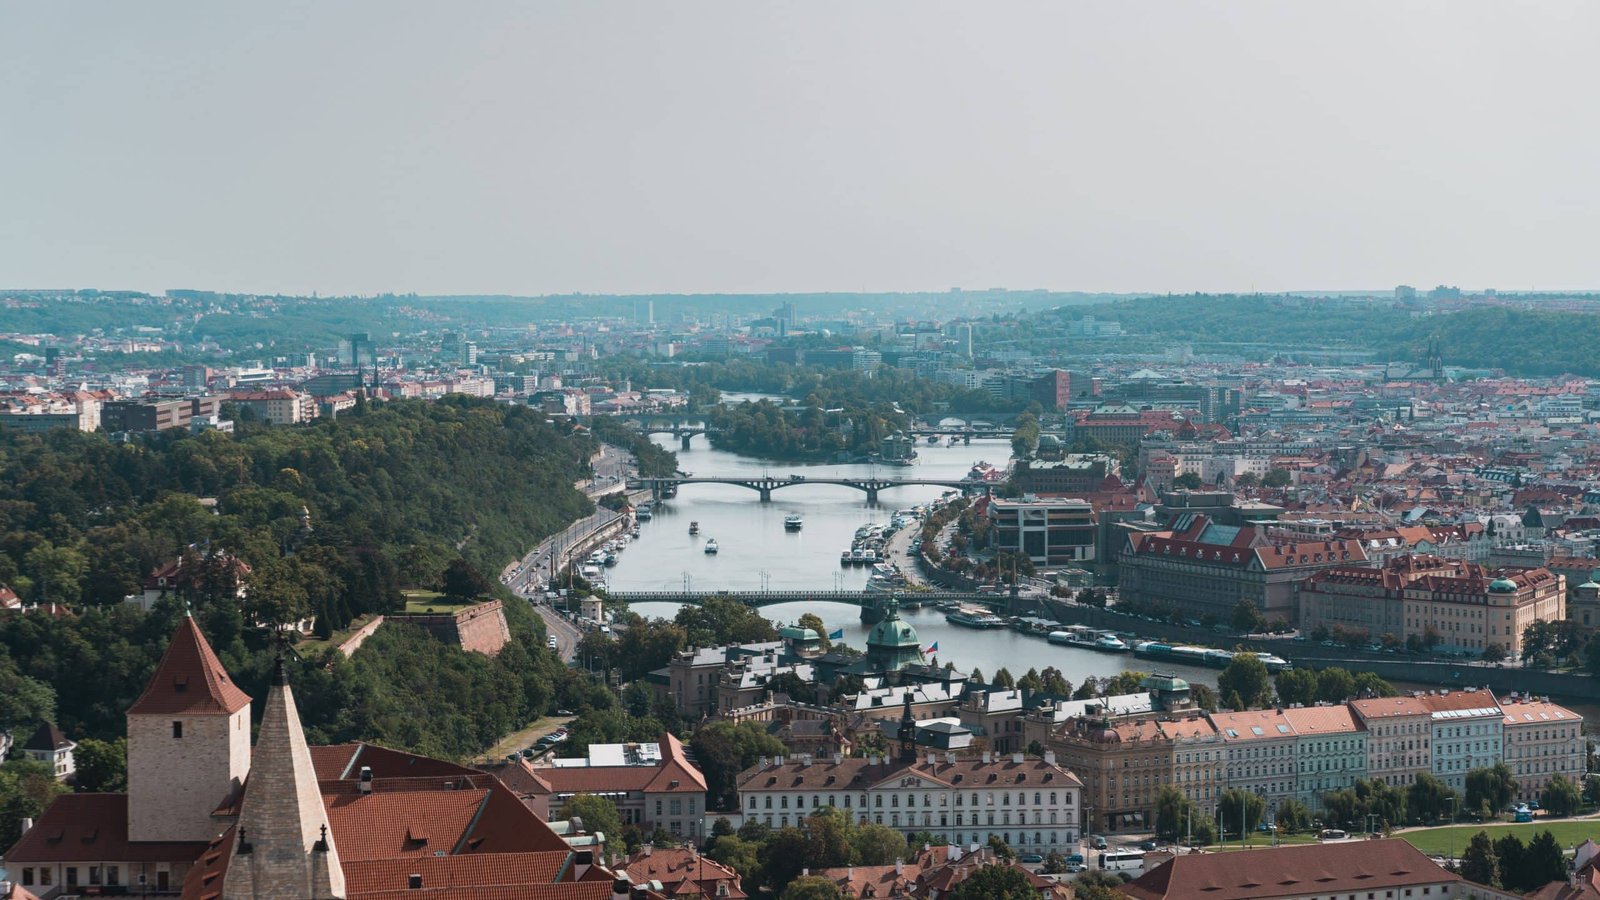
836 635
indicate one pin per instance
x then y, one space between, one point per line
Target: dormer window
177 729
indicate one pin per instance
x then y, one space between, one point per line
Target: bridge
872 603
766 484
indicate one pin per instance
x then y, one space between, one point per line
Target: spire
908 731
291 855
190 679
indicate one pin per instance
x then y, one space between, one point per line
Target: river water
756 553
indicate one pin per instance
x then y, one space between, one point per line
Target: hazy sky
531 147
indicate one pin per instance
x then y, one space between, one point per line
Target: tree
274 596
1246 676
1277 478
1560 797
462 581
1000 847
1031 681
102 765
24 701
1235 800
1130 682
811 887
1098 884
1368 684
1247 619
1335 685
999 882
1543 862
814 622
723 750
1430 799
1188 481
1203 697
1513 858
1246 480
879 845
1591 791
26 790
1003 679
598 813
829 839
1479 863
976 677
1292 816
1172 811
1296 686
1494 653
1491 785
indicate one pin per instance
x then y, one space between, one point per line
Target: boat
1273 663
1218 659
711 546
869 556
793 522
1072 636
589 573
1110 643
857 556
933 439
644 513
1152 650
1194 656
611 558
844 558
970 619
694 527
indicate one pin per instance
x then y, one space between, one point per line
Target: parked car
1032 858
1149 845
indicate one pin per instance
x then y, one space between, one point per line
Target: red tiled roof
588 890
1321 869
474 870
190 680
92 828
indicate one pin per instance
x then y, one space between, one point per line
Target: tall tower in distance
188 743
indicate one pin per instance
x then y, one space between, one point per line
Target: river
757 553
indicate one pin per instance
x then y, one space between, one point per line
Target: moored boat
711 546
969 619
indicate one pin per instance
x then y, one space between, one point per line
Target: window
27 876
177 729
752 801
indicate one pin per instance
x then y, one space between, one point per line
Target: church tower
283 849
188 743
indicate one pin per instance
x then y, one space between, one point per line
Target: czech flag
836 635
933 649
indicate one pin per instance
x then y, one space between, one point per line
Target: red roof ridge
190 679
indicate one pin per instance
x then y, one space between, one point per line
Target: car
1032 858
1075 868
1330 643
559 736
528 752
564 712
551 642
1097 842
1149 845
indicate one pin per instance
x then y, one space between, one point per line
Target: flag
933 649
836 635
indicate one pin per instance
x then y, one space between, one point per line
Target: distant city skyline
367 147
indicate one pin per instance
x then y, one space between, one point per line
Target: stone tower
188 743
283 849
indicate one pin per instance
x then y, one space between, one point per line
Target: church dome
893 632
1502 585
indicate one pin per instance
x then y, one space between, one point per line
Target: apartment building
1122 763
1399 738
1468 733
1049 531
1541 740
1197 759
1258 752
1330 750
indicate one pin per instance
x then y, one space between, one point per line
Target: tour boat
1072 636
972 619
793 522
711 545
694 527
1110 643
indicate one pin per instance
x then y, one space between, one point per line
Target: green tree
1130 682
999 882
1513 859
1173 812
1246 676
811 887
1277 478
58 572
1479 863
1247 619
829 838
738 854
1296 686
724 749
598 813
1003 679
274 596
102 766
1560 797
1493 786
814 622
1494 653
1430 799
1368 684
879 845
1543 863
1188 481
1232 803
1292 816
26 789
1000 847
1335 685
1098 884
24 701
462 581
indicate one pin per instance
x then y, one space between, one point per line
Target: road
613 466
565 632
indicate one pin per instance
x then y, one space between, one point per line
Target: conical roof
190 680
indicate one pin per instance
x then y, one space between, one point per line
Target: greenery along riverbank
396 493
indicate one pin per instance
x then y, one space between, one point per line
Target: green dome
1502 585
796 633
893 632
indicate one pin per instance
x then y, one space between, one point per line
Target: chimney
899 867
27 823
414 881
364 786
649 848
988 757
805 872
933 758
954 853
1016 757
849 873
621 887
582 863
1050 757
949 758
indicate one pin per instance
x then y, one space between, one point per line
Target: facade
1542 740
50 747
1399 738
156 415
1051 532
892 644
1468 733
1259 752
1202 567
1197 759
1075 475
1459 604
932 873
1122 764
692 676
277 407
1032 803
1330 752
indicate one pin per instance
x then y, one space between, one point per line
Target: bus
1121 860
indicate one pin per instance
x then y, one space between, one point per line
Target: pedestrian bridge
765 485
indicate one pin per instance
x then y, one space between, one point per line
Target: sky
749 146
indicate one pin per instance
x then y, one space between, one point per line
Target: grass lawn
517 740
1441 841
312 644
420 601
1259 840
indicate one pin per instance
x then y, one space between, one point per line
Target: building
653 785
892 644
1330 750
277 407
691 677
1074 475
1050 532
1399 738
1468 733
1458 604
1202 567
1124 426
118 416
682 872
1259 751
1032 803
930 874
1388 869
1122 763
1197 757
218 568
50 747
1542 740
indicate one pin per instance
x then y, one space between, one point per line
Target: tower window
177 729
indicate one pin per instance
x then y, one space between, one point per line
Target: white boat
694 527
711 545
1110 643
793 522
